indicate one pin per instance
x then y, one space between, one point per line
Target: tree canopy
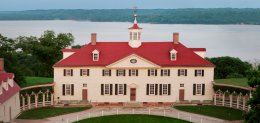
254 81
229 67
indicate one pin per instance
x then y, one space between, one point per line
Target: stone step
133 104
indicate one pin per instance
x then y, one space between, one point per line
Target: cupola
135 33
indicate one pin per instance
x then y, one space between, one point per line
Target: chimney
176 38
2 64
93 38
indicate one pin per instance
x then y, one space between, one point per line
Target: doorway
133 94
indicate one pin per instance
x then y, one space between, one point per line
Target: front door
181 95
84 94
132 94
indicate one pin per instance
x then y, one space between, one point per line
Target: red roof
198 49
156 52
69 50
11 90
135 26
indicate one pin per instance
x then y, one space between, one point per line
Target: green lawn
214 111
132 118
45 112
30 81
233 81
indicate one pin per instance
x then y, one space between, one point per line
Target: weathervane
135 10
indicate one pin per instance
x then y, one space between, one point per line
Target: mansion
134 71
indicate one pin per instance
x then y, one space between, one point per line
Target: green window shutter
72 89
147 89
203 89
125 89
156 89
102 89
116 89
111 89
169 89
160 89
63 89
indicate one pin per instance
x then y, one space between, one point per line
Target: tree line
163 16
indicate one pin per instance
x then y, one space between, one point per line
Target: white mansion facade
147 72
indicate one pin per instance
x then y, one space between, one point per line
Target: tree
8 52
46 49
229 67
254 81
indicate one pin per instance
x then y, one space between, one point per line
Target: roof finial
135 15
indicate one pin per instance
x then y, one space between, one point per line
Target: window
133 72
199 72
1 90
173 55
85 85
106 72
165 89
165 72
181 85
139 35
198 89
67 89
152 89
120 72
131 34
182 72
120 88
135 35
68 72
107 89
84 72
95 55
152 72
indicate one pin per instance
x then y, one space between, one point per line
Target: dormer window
173 55
95 55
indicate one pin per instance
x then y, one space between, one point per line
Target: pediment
133 61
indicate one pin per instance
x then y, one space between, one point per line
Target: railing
232 100
36 100
159 112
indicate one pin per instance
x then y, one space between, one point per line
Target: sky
17 5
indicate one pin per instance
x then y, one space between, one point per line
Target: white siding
14 104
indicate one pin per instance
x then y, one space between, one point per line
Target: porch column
29 102
215 99
23 103
238 102
43 99
244 102
223 99
52 97
36 100
231 99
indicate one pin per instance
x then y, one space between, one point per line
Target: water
241 41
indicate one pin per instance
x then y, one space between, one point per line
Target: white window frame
106 72
85 72
151 89
120 89
120 72
68 72
133 72
67 89
165 72
165 89
106 89
198 89
152 72
182 72
199 72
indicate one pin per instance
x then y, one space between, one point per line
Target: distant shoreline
217 16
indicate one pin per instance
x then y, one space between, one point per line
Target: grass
233 81
132 118
45 112
30 81
214 111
